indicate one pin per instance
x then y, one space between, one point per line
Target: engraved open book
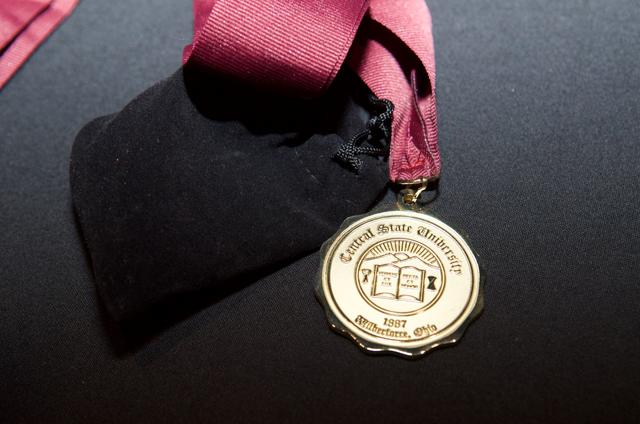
401 279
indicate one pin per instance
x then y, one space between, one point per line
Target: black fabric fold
199 185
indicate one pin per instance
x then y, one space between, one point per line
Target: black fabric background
539 119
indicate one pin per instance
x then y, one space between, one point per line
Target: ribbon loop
296 47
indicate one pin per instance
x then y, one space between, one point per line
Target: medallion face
400 282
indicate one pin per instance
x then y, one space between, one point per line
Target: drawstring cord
378 129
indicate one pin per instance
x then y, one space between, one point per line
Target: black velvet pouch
201 185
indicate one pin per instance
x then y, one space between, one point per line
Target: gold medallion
400 282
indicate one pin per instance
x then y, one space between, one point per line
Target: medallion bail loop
411 196
411 190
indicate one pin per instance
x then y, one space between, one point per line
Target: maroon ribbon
24 25
298 47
